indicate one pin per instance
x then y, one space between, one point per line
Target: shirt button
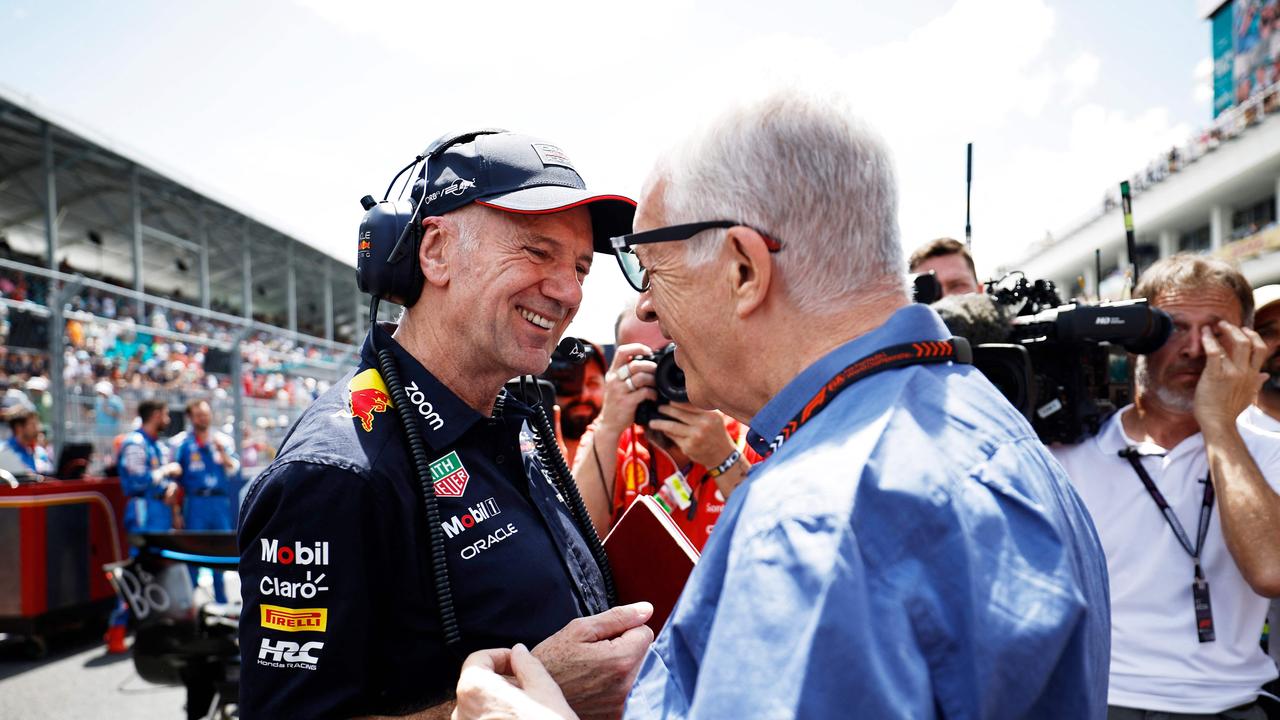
500 458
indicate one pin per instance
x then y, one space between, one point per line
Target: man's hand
618 410
1232 375
700 434
595 659
508 684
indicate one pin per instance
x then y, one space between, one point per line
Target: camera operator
1264 413
950 262
1184 499
690 458
579 394
335 532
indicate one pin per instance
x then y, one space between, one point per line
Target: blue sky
292 110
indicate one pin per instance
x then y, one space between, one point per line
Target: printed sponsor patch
552 155
286 619
307 589
475 515
277 554
366 395
288 654
449 476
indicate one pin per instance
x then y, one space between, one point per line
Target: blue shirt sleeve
135 468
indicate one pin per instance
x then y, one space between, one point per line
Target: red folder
651 558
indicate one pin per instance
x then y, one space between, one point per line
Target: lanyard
1199 586
1206 508
926 352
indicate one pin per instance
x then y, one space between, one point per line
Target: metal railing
273 373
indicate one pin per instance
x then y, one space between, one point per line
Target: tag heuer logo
448 476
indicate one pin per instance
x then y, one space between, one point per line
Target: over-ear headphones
391 230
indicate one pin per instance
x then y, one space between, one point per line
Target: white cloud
613 99
1082 74
1202 77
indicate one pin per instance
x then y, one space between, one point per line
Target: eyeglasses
638 275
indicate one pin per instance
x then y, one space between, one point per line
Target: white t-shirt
1157 660
1255 418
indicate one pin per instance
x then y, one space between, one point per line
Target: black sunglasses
638 275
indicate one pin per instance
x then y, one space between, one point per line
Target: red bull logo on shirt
366 395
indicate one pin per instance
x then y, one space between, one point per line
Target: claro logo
299 554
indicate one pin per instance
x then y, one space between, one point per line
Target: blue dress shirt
913 551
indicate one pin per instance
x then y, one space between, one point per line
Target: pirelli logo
275 617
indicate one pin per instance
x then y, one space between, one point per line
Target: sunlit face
634 330
577 412
953 274
519 288
201 417
1169 375
689 306
1267 323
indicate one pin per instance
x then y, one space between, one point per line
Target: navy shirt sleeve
313 541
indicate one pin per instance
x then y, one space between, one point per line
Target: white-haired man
908 548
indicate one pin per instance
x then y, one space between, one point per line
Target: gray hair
809 174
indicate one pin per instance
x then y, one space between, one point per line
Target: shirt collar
1112 438
444 416
909 324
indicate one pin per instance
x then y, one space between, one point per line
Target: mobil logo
298 554
475 515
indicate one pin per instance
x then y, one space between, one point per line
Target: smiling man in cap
342 613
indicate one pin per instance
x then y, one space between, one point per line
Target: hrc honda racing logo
299 554
287 654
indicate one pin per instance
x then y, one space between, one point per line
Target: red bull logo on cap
366 395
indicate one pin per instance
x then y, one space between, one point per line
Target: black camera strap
1199 586
925 352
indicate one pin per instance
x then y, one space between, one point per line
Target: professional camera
669 382
1064 366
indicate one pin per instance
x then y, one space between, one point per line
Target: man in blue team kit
147 480
146 475
208 463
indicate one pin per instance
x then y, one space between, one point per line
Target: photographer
689 458
579 394
1184 499
950 262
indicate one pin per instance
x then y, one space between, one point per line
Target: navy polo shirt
340 615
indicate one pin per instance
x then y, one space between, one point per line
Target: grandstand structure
120 280
1214 194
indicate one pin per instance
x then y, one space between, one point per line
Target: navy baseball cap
518 174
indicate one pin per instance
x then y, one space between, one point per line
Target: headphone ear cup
399 282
